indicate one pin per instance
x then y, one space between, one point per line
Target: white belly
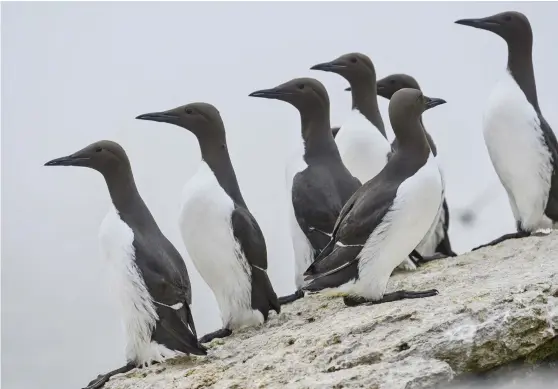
363 149
515 144
434 236
436 233
138 312
205 224
303 250
413 211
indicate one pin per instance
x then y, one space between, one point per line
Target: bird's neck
216 155
411 137
317 136
125 196
520 66
365 100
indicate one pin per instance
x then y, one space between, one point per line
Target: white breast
303 250
436 233
516 147
363 149
138 312
205 224
413 211
434 236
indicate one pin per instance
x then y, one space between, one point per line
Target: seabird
520 142
317 180
361 140
436 244
221 236
149 275
387 217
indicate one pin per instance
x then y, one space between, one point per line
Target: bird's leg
222 333
513 235
291 298
352 301
102 379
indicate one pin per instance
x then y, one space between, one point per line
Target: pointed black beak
272 93
328 67
484 23
67 161
432 102
158 117
348 89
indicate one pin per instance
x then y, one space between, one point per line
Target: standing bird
221 235
436 244
387 217
521 144
317 180
150 276
361 140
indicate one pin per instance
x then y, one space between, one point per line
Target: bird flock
360 206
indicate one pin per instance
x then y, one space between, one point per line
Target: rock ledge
496 306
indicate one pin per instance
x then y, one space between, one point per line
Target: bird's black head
387 86
408 102
511 25
406 106
104 156
202 119
302 93
354 67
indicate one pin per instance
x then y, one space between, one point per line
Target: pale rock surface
496 306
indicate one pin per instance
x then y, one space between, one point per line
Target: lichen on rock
496 306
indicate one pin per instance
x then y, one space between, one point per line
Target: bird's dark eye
392 82
353 60
98 149
189 111
507 18
300 86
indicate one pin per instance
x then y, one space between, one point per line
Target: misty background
75 73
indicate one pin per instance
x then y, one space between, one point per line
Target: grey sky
74 73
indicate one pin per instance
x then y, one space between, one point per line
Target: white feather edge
205 225
137 306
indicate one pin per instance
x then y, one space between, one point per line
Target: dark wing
337 269
175 328
331 244
250 237
444 246
318 196
358 219
550 140
446 215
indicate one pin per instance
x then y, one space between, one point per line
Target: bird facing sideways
387 217
221 236
149 274
522 146
436 244
318 183
362 140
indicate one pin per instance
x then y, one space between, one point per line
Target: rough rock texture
496 306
